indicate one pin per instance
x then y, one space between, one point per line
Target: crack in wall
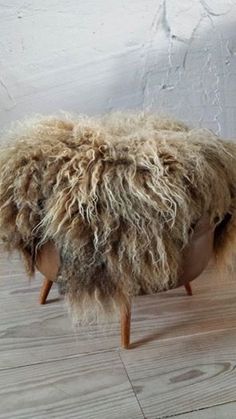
7 91
174 56
211 94
210 12
212 67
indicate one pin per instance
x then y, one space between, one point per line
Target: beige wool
119 196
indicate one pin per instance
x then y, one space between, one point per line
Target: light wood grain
184 374
181 362
224 411
70 388
30 332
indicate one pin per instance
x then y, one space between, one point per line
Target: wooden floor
182 362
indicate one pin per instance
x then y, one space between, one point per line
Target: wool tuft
119 196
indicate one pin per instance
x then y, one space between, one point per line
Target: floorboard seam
126 372
49 361
195 410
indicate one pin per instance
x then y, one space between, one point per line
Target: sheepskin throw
118 195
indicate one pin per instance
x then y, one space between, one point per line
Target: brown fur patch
118 195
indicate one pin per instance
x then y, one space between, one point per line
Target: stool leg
125 322
188 289
45 289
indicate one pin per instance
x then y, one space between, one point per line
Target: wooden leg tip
42 301
125 326
188 289
125 345
47 284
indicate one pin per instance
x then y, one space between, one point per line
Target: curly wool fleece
118 195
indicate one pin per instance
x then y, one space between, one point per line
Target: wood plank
224 411
86 387
173 314
183 374
31 333
182 358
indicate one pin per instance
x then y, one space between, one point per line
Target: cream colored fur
119 196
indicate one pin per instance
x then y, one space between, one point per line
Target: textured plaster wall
92 56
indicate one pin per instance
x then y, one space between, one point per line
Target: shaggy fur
119 196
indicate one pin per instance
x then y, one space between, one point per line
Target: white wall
92 56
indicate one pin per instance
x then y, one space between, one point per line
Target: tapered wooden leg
45 289
188 289
125 321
